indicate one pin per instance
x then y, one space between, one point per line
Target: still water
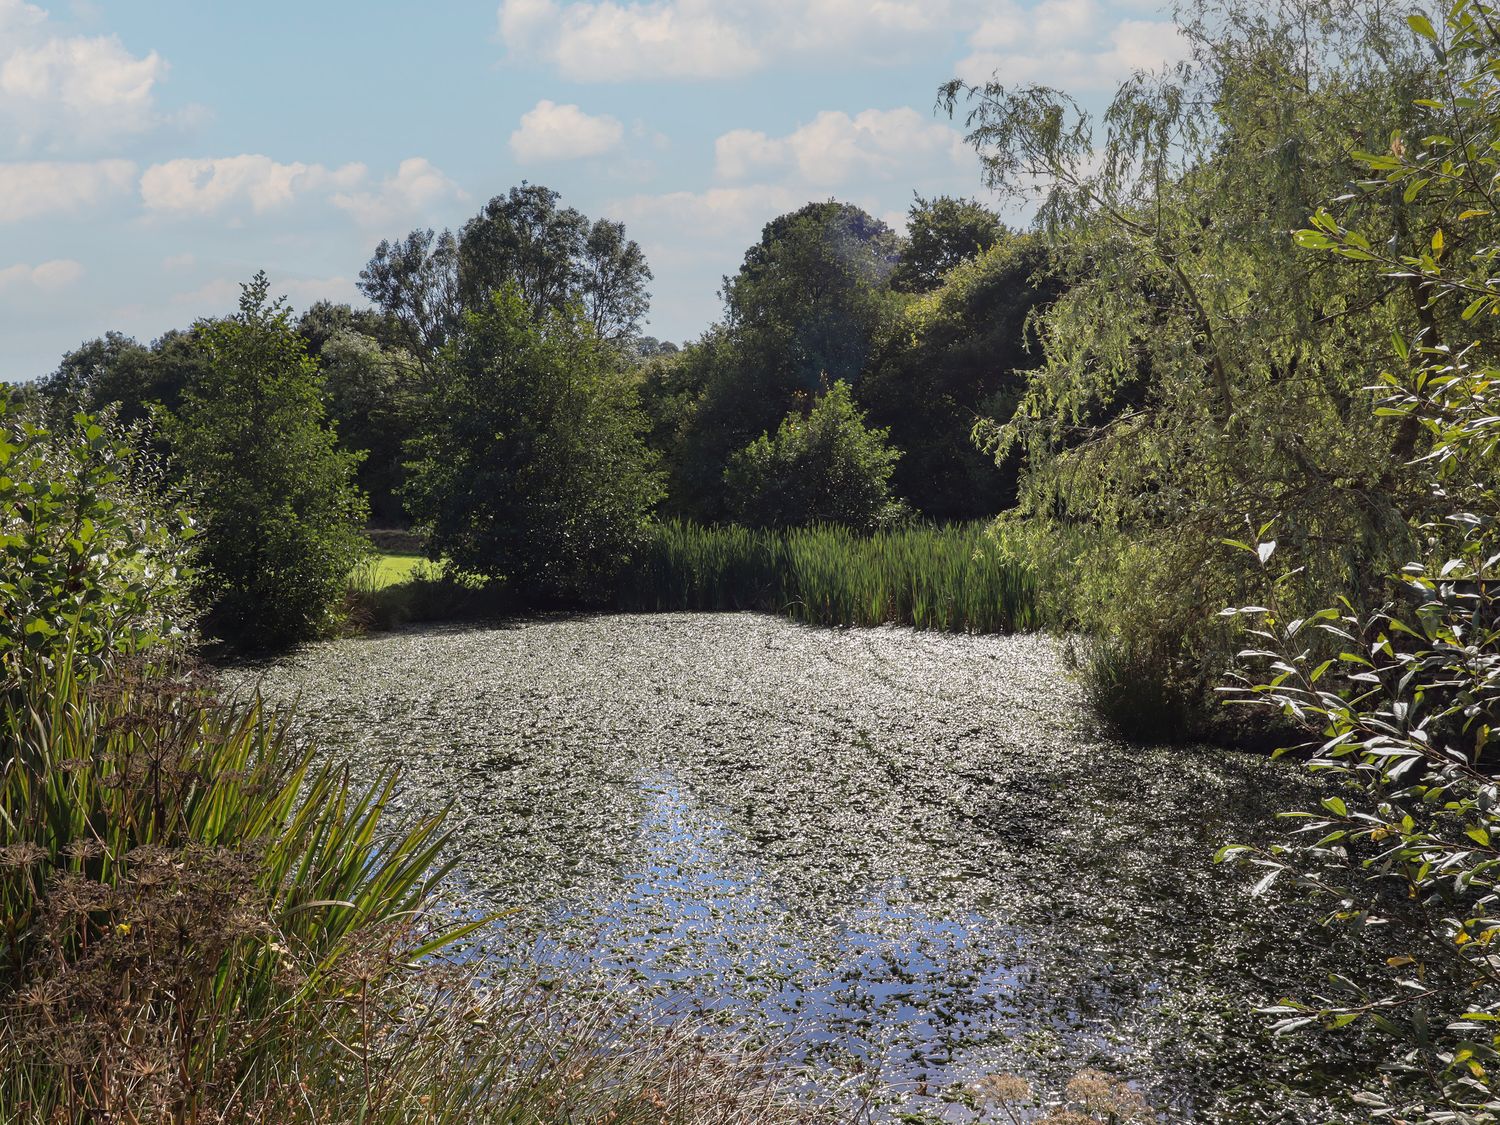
909 859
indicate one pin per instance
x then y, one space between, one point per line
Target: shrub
92 559
280 512
827 467
532 469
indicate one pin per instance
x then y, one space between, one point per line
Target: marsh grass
955 579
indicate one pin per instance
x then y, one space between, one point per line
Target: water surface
910 856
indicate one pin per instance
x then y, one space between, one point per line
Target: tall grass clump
956 579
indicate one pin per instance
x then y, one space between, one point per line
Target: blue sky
154 155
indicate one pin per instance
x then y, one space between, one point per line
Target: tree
415 282
553 256
941 233
807 307
1400 701
374 397
115 372
1196 367
531 469
827 467
811 295
280 511
955 356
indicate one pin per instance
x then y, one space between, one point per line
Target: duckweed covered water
909 855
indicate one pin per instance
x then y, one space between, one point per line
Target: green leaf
1422 26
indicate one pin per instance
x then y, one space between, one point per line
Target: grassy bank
957 579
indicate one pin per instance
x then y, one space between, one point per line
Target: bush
281 514
532 470
825 468
92 559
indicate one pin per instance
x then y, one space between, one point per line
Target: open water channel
906 856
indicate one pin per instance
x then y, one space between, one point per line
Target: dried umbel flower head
1004 1089
25 854
1104 1094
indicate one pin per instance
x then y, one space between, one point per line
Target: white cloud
564 132
184 261
31 189
58 90
205 186
416 187
610 40
1083 43
1072 45
835 148
17 17
47 277
724 212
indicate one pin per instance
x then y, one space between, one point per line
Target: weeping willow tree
1201 370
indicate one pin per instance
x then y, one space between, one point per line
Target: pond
908 858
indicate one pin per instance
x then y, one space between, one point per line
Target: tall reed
956 579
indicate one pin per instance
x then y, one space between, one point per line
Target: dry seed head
1005 1089
24 854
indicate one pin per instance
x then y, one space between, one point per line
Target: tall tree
805 310
531 468
552 255
1198 367
281 514
941 233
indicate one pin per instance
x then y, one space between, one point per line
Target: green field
386 568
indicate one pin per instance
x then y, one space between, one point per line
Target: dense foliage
92 558
1197 366
532 469
953 357
280 513
1402 700
828 467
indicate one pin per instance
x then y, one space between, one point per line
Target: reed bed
953 579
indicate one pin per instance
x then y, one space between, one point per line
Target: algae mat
909 857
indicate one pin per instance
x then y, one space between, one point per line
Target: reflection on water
909 855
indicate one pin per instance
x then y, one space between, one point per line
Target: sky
154 155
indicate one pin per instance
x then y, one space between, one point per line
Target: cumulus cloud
564 132
32 189
835 148
59 90
205 186
1068 44
611 40
416 187
732 214
47 277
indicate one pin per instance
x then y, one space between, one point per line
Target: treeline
500 396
